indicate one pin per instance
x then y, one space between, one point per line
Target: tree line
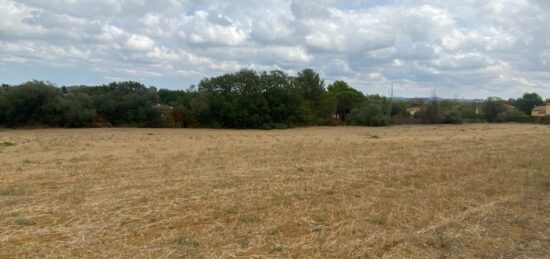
245 99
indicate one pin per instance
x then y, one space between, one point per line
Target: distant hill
439 99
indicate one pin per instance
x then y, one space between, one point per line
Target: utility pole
391 99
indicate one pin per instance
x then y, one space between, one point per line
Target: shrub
100 122
331 122
12 191
494 110
216 125
370 115
452 117
168 122
518 116
545 120
266 126
6 144
280 126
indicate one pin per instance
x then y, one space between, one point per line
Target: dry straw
410 191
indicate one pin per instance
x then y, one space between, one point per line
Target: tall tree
31 103
494 109
345 98
528 101
282 98
236 100
311 84
370 115
312 88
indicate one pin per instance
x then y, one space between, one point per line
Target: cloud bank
466 48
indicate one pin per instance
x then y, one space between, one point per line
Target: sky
462 48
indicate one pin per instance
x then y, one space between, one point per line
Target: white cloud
140 42
472 48
14 15
289 54
212 29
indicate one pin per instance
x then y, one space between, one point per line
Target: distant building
413 110
541 111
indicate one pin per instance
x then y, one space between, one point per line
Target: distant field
407 191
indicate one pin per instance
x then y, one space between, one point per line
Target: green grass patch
12 191
6 144
276 248
249 218
185 239
24 221
379 220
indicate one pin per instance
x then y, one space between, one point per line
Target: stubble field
476 190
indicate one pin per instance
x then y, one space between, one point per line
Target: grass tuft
12 191
276 248
185 239
24 221
249 218
379 220
6 144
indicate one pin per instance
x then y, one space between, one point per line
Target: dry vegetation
409 191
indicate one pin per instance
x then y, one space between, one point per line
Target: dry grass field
477 190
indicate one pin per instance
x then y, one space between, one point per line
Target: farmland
477 190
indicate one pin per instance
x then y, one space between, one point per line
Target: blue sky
468 48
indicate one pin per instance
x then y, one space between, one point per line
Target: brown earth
478 190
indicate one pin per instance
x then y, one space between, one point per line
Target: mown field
479 190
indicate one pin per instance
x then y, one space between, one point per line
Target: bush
76 110
30 104
451 117
398 120
518 116
266 126
168 122
215 125
494 110
100 122
545 120
370 115
331 122
280 126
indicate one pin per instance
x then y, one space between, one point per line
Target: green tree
467 111
170 97
236 100
126 103
518 116
449 112
343 98
30 103
494 110
198 109
74 110
369 115
312 88
4 103
282 98
399 108
528 101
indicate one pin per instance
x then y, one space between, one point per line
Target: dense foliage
245 99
